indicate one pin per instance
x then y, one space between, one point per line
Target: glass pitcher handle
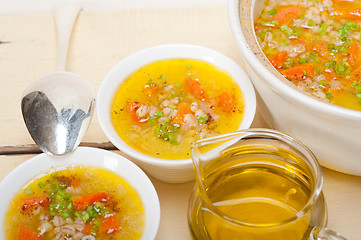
318 233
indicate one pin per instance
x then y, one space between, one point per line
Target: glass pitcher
257 184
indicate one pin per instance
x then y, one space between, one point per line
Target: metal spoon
57 108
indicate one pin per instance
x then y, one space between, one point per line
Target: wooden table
99 41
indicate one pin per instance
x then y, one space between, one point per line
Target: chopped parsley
286 30
272 12
329 95
311 23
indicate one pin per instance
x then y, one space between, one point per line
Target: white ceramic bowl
42 163
333 133
172 171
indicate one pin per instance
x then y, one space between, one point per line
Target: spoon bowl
57 108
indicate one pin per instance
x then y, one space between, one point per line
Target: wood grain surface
99 41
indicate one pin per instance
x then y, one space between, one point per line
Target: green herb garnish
311 23
158 114
203 118
262 34
286 30
272 12
303 60
322 29
28 191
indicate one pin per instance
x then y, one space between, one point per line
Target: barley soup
164 106
76 203
316 45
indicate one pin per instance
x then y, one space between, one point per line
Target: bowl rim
85 156
298 96
162 52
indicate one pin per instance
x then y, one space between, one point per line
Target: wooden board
99 41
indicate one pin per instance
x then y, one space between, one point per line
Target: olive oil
252 198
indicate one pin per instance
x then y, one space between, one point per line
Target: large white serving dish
333 133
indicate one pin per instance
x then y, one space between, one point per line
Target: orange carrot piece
182 109
321 49
330 75
132 108
335 90
299 40
150 90
278 59
355 74
299 72
25 233
348 14
196 89
226 102
82 202
109 225
87 228
286 15
29 204
354 55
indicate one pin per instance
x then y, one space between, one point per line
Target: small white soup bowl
172 171
84 156
331 132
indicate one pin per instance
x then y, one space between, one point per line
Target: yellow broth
209 99
61 189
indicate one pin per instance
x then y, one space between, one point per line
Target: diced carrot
355 74
196 89
286 15
226 102
321 49
182 109
82 202
335 90
25 233
278 59
299 40
109 225
348 14
150 90
87 228
299 72
133 107
330 75
354 55
28 204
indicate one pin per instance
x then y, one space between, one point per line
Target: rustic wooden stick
33 149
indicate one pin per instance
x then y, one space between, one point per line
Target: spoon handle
65 13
